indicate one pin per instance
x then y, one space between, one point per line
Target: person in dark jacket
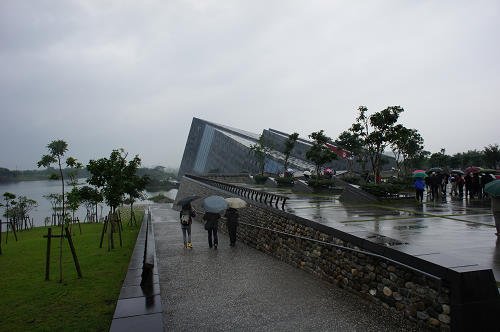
460 185
468 185
476 186
232 217
211 225
435 182
419 189
186 216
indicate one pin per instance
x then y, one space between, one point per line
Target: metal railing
270 199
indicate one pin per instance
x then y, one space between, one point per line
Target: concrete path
242 289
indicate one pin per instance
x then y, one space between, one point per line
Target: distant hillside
160 178
7 175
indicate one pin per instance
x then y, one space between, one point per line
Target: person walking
435 182
460 186
419 189
476 186
453 181
211 225
468 185
232 217
186 216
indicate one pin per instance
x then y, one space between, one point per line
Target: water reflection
37 189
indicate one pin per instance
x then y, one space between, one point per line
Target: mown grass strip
29 303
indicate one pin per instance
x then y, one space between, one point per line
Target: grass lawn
29 303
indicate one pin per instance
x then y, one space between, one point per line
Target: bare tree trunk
62 223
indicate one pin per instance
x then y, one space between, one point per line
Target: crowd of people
470 185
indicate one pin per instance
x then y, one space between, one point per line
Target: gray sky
131 74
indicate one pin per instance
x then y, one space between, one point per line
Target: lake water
37 189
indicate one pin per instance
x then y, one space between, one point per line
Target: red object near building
338 151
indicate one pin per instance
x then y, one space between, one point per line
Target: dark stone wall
319 250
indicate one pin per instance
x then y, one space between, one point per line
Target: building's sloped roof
235 131
277 155
244 141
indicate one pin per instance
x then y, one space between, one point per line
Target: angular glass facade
215 148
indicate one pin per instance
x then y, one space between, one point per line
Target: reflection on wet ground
461 228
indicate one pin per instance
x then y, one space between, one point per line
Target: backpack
185 216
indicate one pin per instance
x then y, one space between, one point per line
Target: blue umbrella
214 204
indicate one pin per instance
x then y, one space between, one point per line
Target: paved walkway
243 289
451 232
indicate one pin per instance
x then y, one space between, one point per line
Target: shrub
260 179
353 179
321 183
383 189
285 181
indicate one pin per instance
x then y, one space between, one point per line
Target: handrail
346 248
252 194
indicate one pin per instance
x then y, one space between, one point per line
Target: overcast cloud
132 74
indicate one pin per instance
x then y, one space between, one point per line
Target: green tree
57 150
72 173
91 197
491 155
375 133
73 201
439 159
260 151
8 198
377 140
289 145
406 145
351 141
107 174
114 177
134 184
473 158
319 153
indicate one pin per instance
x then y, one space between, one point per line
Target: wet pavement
461 229
240 288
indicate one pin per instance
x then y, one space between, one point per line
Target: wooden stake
104 225
0 236
47 262
73 252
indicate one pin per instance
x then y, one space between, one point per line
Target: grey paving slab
134 276
131 291
242 289
138 306
152 322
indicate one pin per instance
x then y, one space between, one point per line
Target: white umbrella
306 173
235 202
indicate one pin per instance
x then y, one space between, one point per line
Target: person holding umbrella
212 225
186 216
213 205
232 217
419 185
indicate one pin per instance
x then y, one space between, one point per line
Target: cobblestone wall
300 242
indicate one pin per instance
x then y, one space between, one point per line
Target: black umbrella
187 200
434 169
